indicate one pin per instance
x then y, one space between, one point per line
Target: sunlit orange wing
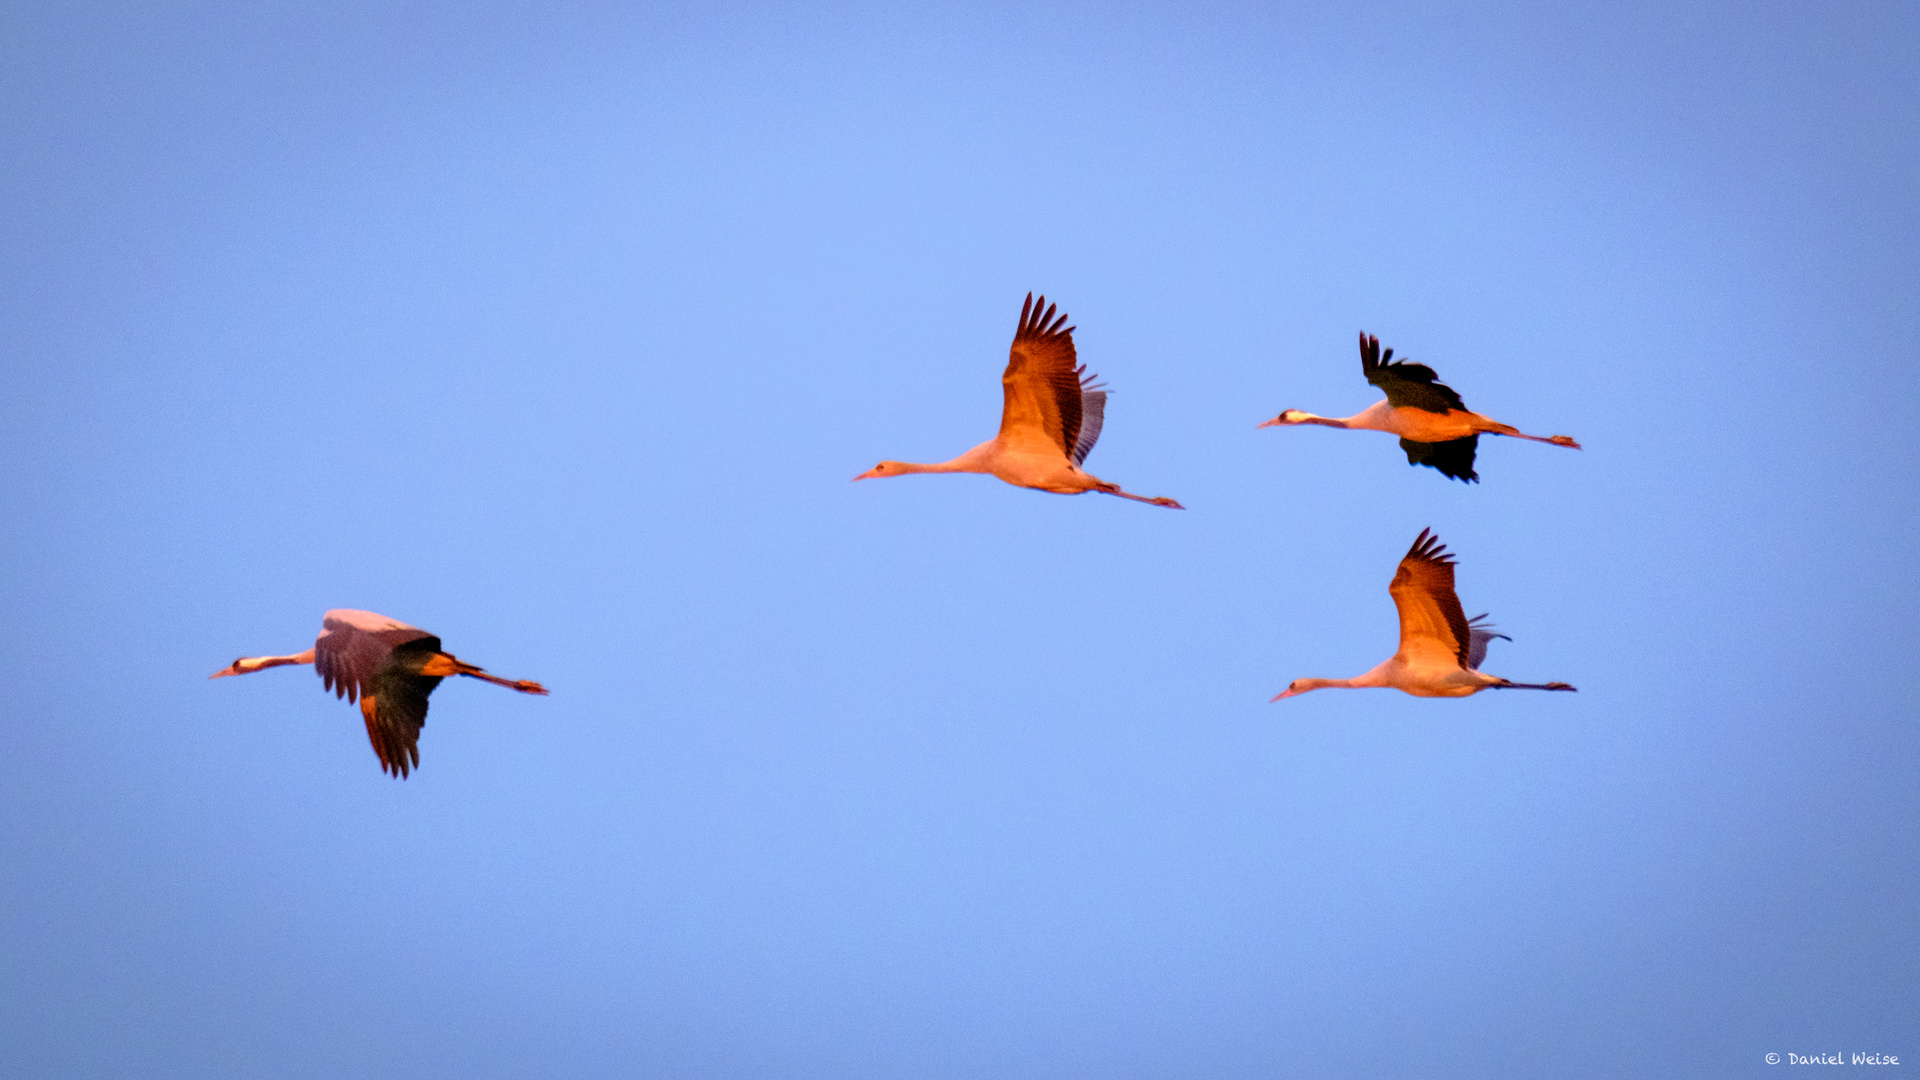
1433 627
1042 385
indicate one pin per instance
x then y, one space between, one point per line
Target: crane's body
1049 423
1435 426
390 667
1409 675
1417 425
1040 471
1440 648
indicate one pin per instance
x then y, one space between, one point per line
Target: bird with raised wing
1050 420
1440 648
390 667
1435 427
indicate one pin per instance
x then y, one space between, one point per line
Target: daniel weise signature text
1855 1058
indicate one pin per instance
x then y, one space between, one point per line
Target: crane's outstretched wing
1407 386
395 707
1482 633
1454 458
355 644
1433 629
1093 410
1042 384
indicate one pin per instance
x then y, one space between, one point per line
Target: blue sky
559 331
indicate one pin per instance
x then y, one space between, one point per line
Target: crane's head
248 664
239 667
885 468
1301 686
1289 416
1297 686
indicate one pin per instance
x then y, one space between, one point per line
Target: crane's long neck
1297 416
255 663
1375 417
1378 416
1301 686
1381 675
959 464
977 460
246 665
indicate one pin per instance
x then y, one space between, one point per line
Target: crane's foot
1564 440
1164 501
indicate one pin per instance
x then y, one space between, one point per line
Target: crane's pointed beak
869 474
223 671
1275 422
1284 694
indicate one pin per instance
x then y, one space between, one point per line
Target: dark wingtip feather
1428 548
1039 319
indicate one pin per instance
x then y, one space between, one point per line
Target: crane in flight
1440 648
1435 427
391 667
1049 423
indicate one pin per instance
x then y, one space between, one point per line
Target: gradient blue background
560 330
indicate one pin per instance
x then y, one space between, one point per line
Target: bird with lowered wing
1436 428
390 667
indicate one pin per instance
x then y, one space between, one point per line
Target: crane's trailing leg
525 686
444 664
1557 440
1504 685
1114 489
1494 427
